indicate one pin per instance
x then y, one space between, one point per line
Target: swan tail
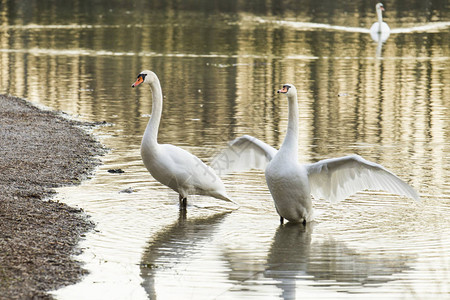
227 198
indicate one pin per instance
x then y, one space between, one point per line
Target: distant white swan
380 31
291 184
172 166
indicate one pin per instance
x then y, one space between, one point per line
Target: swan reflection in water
293 257
176 244
196 257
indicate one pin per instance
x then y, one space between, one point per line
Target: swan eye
142 76
287 87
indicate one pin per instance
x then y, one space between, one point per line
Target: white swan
291 184
380 31
172 166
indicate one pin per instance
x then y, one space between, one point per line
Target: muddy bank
40 150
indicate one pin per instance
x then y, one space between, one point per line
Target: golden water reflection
349 100
220 63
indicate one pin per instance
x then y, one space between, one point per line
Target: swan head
145 76
288 89
379 7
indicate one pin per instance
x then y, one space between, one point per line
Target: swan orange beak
138 81
284 90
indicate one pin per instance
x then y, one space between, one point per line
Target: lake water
220 64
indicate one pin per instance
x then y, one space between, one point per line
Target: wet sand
40 150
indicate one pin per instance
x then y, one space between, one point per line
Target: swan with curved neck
380 31
170 165
291 184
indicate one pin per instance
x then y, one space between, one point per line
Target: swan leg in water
183 202
291 184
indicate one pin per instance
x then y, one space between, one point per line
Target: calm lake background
220 64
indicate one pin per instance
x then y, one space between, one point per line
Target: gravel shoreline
40 150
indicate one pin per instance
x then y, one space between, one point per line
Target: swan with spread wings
380 31
291 184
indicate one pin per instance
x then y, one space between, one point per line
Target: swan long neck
151 132
290 143
380 18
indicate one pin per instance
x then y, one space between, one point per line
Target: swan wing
337 178
429 27
186 174
186 168
242 154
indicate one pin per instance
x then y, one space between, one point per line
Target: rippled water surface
220 63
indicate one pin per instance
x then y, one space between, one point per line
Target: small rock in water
116 171
343 94
128 190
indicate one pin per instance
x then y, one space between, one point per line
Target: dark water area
220 64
